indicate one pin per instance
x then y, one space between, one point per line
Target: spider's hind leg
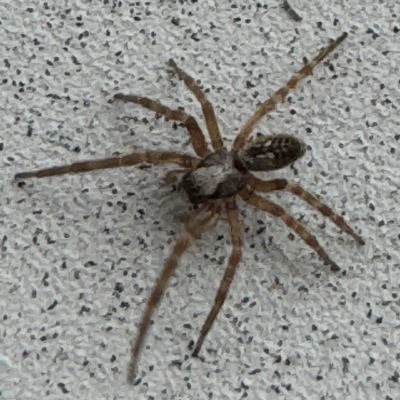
282 184
280 95
276 210
323 209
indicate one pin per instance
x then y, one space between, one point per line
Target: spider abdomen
267 153
218 176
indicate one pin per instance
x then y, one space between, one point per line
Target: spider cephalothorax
215 180
220 175
223 174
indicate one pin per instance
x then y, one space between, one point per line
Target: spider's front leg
235 224
194 228
282 184
150 157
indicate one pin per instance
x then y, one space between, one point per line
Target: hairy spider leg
276 210
151 157
188 216
174 175
235 224
206 106
193 230
195 132
279 96
282 184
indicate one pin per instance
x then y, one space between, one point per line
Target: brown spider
213 180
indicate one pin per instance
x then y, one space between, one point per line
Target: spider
213 181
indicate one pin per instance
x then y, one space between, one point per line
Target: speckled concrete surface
80 254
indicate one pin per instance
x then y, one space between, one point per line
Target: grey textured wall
81 253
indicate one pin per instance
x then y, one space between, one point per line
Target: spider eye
267 153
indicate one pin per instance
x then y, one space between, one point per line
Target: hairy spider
213 180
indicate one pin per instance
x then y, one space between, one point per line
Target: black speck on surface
84 309
395 377
63 388
75 60
119 287
175 21
124 304
44 279
255 371
53 305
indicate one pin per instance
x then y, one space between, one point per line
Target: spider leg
282 184
279 96
187 217
276 210
151 157
234 259
193 230
174 175
208 110
196 135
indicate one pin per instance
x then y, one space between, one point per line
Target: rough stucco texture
80 254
